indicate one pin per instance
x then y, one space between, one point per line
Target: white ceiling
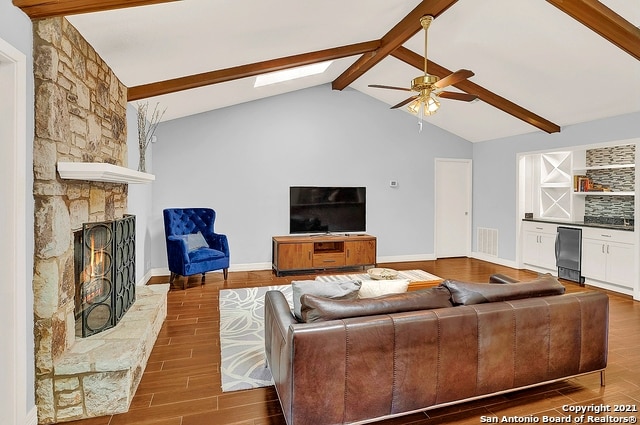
526 51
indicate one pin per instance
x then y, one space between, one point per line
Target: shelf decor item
146 131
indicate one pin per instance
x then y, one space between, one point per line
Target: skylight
291 74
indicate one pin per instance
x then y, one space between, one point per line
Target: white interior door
12 244
453 207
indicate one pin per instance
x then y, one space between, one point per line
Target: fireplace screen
105 274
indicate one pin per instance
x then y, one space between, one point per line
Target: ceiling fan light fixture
431 105
414 107
424 105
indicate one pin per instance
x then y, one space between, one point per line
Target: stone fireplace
80 117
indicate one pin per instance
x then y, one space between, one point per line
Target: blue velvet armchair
192 245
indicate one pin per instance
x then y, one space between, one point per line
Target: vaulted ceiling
539 65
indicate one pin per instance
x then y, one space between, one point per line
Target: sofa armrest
277 320
277 309
218 241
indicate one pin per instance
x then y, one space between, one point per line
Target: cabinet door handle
607 249
538 228
309 255
347 253
603 248
606 236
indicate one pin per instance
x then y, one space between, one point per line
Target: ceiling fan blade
404 102
456 77
457 96
378 86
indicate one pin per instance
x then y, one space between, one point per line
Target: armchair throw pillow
195 241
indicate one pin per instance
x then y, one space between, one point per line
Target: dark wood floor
181 384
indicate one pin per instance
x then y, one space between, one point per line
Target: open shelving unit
556 182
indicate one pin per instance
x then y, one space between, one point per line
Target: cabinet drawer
620 236
329 260
534 226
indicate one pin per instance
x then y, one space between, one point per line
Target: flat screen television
314 209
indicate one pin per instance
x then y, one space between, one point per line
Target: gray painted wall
494 170
241 161
15 29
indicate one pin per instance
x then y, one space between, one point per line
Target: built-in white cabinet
592 187
608 259
539 241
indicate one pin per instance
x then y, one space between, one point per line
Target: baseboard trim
494 260
246 267
145 278
249 267
406 258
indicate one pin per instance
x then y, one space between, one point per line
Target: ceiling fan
429 87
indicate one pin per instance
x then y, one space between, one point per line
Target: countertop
582 224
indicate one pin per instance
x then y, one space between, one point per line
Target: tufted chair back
184 221
192 245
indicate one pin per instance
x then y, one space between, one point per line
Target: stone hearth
99 375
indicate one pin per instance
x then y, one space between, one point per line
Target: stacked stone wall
80 116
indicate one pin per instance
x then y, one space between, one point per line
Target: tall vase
142 162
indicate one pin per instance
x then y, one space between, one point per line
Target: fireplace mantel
102 172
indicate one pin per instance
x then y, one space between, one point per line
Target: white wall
15 29
495 179
241 161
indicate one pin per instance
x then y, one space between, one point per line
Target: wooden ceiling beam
396 37
483 94
603 21
39 9
243 71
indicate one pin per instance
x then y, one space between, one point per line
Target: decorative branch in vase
146 130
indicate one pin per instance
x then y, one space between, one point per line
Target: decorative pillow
465 293
195 241
347 289
376 288
316 309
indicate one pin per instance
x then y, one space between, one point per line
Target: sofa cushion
204 254
316 309
347 289
466 293
376 288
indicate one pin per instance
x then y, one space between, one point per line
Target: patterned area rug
243 363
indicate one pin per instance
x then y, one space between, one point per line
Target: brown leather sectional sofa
366 368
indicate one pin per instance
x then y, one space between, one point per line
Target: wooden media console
322 252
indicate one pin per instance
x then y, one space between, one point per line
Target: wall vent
487 240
